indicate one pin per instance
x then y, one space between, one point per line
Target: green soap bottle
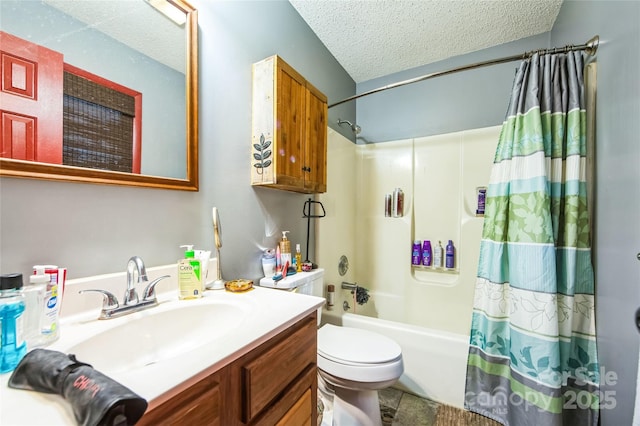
189 275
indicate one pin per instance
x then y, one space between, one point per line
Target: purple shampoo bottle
416 253
426 253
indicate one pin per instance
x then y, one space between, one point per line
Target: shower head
354 127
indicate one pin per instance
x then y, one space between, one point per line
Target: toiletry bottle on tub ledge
437 255
426 253
416 253
450 256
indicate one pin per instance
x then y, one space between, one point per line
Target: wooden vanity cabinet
274 384
289 129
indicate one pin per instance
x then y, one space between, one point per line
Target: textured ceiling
134 23
372 38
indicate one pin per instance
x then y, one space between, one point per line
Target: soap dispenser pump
285 249
189 275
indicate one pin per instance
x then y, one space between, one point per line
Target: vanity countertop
268 312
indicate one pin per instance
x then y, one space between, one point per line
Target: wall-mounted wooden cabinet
289 130
274 384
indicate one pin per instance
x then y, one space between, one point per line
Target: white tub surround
427 311
439 176
265 313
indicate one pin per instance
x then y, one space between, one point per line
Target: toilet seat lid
354 345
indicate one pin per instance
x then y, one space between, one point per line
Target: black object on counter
306 213
95 398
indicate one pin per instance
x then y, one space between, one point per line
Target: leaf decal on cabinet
262 154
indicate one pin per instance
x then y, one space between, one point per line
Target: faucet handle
109 301
150 290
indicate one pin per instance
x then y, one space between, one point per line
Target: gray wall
93 229
466 100
617 209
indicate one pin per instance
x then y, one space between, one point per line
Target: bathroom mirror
132 44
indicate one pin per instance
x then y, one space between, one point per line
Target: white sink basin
158 334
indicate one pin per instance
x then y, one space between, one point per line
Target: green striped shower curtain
532 355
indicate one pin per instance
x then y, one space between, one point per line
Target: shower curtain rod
590 47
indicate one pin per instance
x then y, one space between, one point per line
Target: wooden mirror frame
35 170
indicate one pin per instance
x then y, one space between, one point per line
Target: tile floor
399 408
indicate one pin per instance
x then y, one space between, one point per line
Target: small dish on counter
238 286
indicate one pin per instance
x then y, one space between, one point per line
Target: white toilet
353 364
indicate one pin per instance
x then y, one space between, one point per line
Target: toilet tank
311 283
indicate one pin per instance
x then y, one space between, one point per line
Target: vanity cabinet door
300 413
277 375
284 362
200 404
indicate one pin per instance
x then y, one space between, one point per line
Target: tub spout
349 286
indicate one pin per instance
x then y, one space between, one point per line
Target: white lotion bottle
437 256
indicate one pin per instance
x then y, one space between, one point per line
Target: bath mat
448 415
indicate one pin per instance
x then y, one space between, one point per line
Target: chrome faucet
135 265
131 303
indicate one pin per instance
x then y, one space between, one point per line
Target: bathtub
435 362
